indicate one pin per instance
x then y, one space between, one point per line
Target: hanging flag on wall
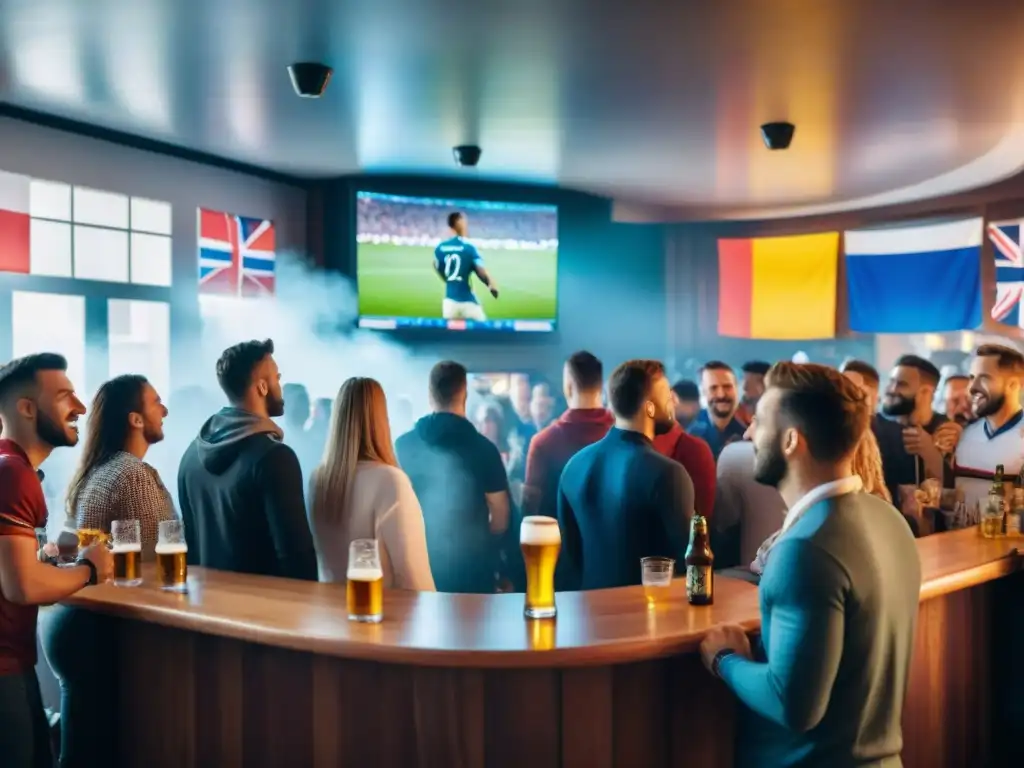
916 279
236 255
1006 245
778 287
15 223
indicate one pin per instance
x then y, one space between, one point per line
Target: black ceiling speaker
777 135
309 78
467 155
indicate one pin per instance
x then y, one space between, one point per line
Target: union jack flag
1006 240
236 255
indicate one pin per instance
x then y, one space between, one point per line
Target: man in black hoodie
239 485
461 484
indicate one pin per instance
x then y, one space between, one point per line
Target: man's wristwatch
717 661
94 576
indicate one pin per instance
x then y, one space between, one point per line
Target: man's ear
26 408
790 441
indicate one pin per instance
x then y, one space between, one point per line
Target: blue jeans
81 648
24 732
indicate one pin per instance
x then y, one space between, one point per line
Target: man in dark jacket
619 499
461 484
239 485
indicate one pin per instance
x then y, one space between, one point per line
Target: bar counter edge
252 671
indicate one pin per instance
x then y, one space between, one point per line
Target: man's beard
152 434
51 432
898 406
275 406
722 408
663 425
991 404
770 464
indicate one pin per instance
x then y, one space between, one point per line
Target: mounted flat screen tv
461 265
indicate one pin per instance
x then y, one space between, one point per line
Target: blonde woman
358 492
866 462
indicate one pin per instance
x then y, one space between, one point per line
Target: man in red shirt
585 422
39 411
696 457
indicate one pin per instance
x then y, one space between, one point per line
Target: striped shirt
125 488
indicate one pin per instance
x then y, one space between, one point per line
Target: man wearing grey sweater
839 594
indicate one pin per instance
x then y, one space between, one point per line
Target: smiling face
989 387
719 389
55 409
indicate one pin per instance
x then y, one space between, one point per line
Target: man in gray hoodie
239 485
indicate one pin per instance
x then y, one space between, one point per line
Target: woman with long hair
111 482
359 492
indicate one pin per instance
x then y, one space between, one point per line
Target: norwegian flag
1006 241
236 255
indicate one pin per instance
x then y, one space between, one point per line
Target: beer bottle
997 495
700 578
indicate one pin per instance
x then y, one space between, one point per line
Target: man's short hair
757 367
1008 359
828 409
929 373
236 365
447 381
20 373
453 218
586 370
715 365
630 386
956 377
687 391
866 370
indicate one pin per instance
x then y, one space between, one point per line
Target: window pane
50 252
101 254
50 199
51 322
103 208
151 216
151 259
140 340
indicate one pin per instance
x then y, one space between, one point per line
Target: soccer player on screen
456 260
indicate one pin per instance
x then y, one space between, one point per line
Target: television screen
426 263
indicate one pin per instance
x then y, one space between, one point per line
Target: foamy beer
540 541
172 557
364 590
126 539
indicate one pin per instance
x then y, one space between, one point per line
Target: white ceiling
654 102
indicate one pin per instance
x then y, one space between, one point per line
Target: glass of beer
656 576
540 541
89 536
365 582
126 537
172 556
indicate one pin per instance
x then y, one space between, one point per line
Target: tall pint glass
364 590
172 556
540 542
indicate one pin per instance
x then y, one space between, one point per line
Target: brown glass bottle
700 575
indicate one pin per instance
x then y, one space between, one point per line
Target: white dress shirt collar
840 487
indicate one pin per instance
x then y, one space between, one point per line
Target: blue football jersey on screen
457 259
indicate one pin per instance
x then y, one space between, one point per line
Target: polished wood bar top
449 630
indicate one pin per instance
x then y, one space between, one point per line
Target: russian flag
15 223
916 279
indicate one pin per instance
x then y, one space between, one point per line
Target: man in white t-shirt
997 437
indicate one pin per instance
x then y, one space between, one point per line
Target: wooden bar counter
252 671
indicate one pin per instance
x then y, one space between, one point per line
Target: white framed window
91 234
101 254
50 322
104 209
140 340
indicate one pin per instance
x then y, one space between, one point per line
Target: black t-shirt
898 465
452 468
